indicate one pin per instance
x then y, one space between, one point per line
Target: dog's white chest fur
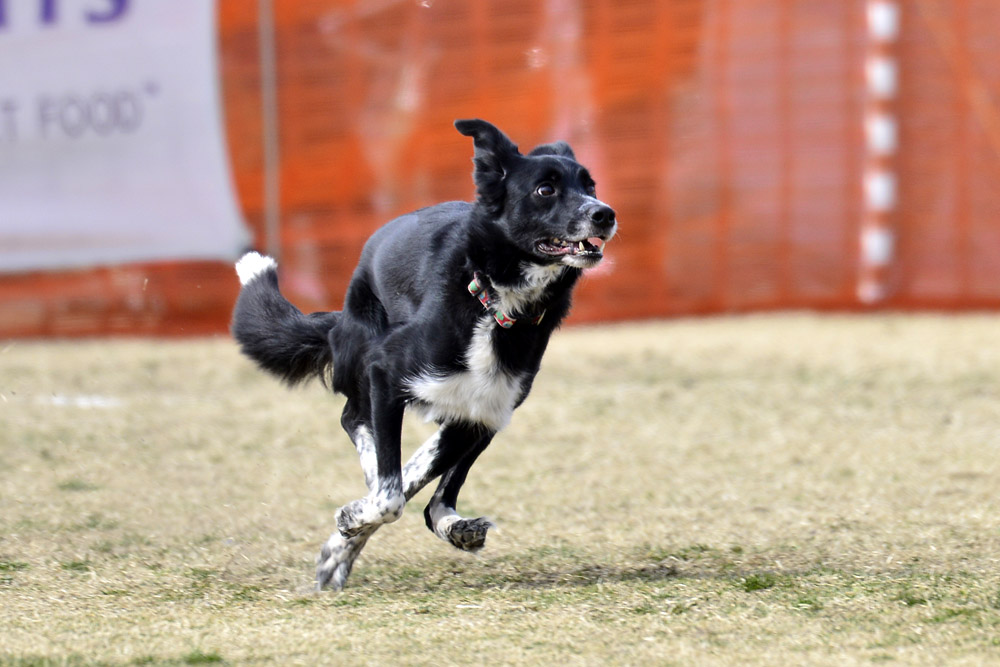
483 394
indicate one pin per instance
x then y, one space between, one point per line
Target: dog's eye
591 190
545 190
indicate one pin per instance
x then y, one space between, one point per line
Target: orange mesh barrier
727 135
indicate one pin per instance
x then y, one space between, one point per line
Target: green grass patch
13 566
77 566
202 658
911 599
76 485
758 582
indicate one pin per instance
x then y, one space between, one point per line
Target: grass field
787 489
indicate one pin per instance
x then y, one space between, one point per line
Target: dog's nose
602 216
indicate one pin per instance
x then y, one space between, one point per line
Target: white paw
371 511
336 560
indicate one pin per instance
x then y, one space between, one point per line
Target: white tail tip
252 265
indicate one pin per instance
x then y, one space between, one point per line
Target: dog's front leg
440 514
441 452
385 500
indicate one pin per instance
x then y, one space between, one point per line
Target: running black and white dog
448 313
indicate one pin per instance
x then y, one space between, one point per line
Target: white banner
111 143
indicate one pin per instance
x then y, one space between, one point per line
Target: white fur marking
390 503
365 444
379 506
484 394
417 470
443 518
252 265
537 277
337 558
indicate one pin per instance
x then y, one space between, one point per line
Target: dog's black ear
494 156
560 148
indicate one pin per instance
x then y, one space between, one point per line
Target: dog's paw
469 534
336 559
351 518
369 512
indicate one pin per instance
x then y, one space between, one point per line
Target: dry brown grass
764 490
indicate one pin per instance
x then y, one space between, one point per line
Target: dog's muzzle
595 226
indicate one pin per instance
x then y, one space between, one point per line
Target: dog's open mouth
592 247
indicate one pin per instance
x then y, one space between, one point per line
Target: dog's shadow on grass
508 576
592 574
564 567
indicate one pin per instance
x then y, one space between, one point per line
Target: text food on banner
111 141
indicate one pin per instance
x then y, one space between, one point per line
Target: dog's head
545 201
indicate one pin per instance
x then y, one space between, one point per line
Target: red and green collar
479 289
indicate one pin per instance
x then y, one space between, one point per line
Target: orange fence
728 134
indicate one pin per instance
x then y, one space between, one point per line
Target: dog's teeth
583 248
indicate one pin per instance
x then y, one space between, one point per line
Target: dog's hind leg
440 514
379 451
337 557
385 500
364 442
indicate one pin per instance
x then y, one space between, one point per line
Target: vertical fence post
881 131
269 128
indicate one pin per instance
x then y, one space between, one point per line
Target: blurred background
761 154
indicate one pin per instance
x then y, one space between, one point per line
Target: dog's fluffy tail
273 332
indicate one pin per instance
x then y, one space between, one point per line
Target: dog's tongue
597 242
